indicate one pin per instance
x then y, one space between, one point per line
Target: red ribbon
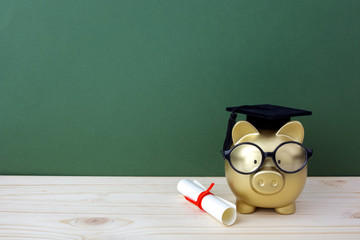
201 196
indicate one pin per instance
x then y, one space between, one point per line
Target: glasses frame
309 153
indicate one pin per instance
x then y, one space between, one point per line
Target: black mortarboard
263 116
268 116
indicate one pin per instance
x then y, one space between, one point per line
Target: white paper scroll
220 209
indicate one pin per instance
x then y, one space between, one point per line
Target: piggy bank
266 167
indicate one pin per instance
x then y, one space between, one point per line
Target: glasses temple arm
310 152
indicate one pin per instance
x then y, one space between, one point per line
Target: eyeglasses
247 158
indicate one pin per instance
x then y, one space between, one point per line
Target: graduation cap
264 116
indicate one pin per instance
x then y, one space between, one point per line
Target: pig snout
267 182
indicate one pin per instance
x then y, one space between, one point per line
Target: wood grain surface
99 208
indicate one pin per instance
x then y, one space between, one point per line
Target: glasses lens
291 157
246 158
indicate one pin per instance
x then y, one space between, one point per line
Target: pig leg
289 209
242 207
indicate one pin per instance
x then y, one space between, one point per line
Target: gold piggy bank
266 168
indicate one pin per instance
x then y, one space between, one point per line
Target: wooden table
110 208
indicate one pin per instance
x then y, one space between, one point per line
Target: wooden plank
94 208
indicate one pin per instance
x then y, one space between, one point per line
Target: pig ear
241 129
294 130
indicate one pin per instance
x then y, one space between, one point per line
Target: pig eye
279 161
255 161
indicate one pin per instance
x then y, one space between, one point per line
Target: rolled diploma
218 208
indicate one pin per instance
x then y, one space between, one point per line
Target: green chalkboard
139 87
